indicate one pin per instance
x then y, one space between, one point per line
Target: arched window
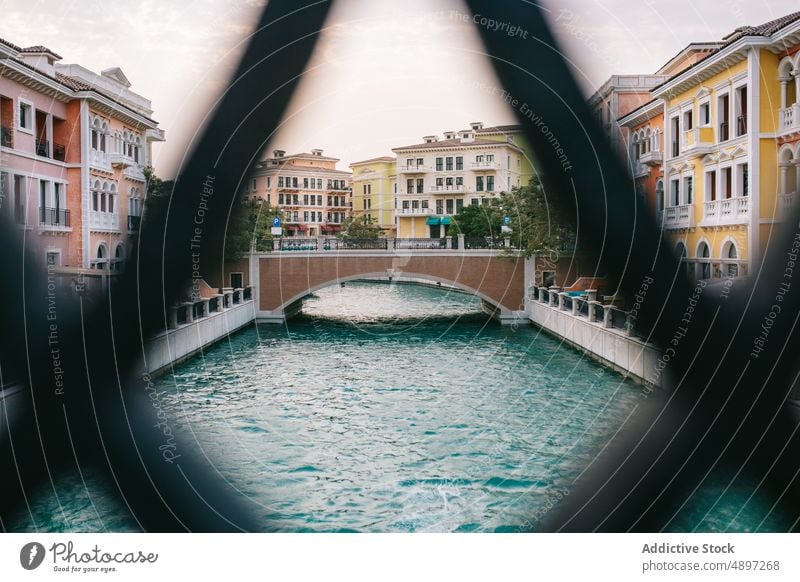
104 137
119 257
680 250
730 252
787 73
96 130
703 262
112 193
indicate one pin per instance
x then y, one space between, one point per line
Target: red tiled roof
39 49
765 29
10 44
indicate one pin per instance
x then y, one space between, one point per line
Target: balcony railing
724 131
134 222
455 188
362 244
651 158
741 125
42 148
414 169
54 217
420 243
789 118
106 221
486 165
734 210
415 211
677 217
5 137
787 203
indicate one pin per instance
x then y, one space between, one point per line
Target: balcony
42 148
120 160
414 169
6 137
415 211
727 211
103 221
789 119
456 189
698 141
100 159
651 158
135 171
58 217
134 222
485 165
674 217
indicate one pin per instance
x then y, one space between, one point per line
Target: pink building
73 148
312 194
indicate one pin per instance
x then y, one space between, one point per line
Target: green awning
445 220
433 221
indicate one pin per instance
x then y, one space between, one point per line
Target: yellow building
727 119
373 184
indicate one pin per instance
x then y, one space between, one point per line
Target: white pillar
784 178
784 88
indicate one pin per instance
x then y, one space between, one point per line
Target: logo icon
31 555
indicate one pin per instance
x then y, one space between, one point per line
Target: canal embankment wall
602 332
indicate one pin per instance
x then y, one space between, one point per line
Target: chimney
476 125
449 135
430 138
278 153
40 58
316 152
466 135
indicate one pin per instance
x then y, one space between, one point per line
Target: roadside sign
276 222
276 230
506 220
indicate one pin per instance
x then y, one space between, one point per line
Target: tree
358 227
250 221
477 221
538 225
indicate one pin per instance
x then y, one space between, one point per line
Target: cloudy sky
386 72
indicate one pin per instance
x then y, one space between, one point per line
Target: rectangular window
319 216
25 116
475 201
253 184
440 206
58 193
459 205
490 183
409 186
459 162
711 186
280 198
305 183
741 111
312 201
687 189
479 159
319 183
489 158
420 162
305 216
420 185
674 126
439 164
424 204
449 183
705 113
439 183
305 199
688 119
280 181
406 204
449 206
269 182
723 114
675 191
479 183
319 199
42 194
294 182
449 164
415 204
410 163
742 180
330 200
460 181
726 182
296 199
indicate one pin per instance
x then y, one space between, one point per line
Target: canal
396 408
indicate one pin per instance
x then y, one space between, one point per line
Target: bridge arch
283 281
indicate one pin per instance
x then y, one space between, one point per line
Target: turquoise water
394 409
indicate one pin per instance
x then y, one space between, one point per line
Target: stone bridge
282 278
